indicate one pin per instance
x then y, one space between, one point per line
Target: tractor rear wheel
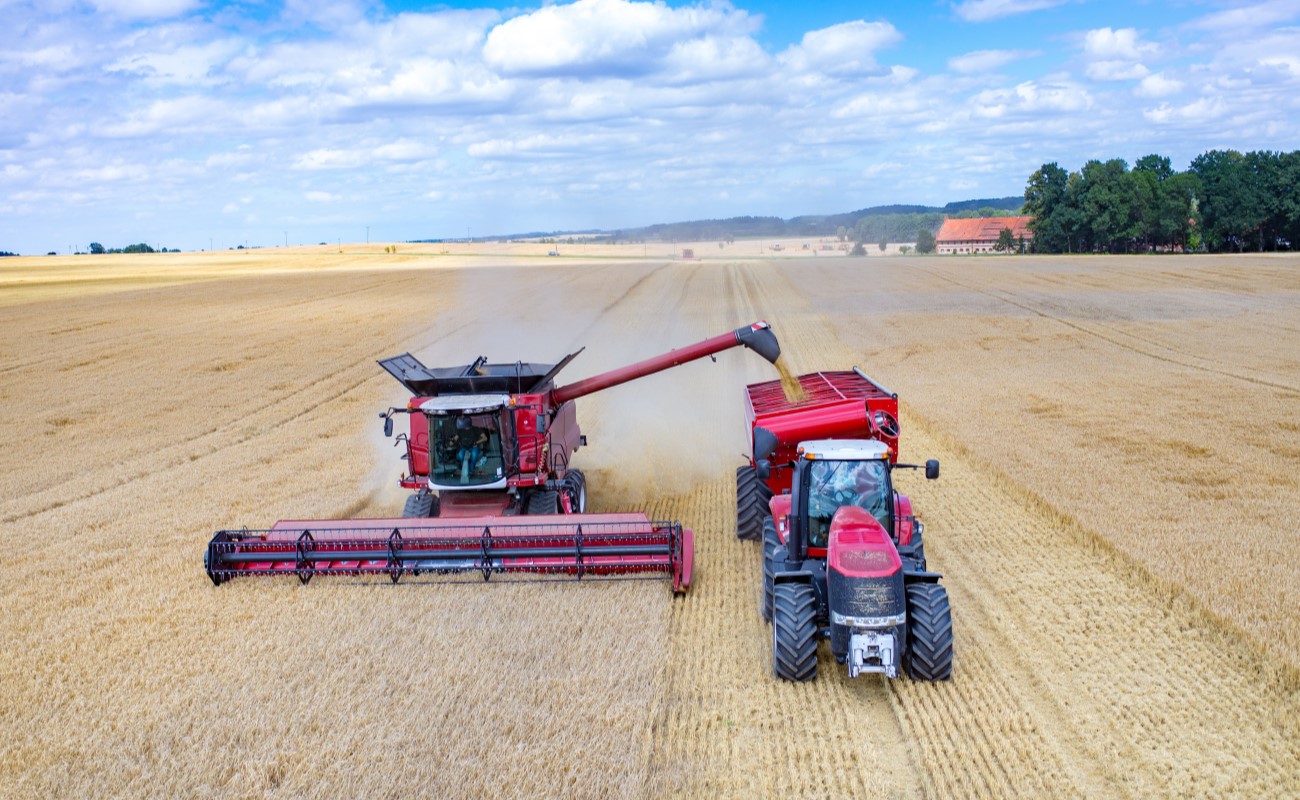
794 632
752 495
771 544
575 487
421 504
929 632
543 501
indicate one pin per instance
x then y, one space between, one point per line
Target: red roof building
979 235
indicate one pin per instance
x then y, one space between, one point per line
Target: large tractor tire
752 495
542 501
929 632
771 545
794 632
421 504
575 487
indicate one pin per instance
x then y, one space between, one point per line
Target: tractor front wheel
794 632
752 495
771 546
929 632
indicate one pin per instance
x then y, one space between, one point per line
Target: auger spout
757 337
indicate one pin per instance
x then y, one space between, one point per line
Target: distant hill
812 224
897 221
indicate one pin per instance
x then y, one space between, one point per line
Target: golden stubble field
1115 524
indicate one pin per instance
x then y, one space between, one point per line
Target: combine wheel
771 546
575 486
543 501
929 632
421 504
752 495
794 632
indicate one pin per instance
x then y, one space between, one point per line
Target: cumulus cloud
845 49
1116 71
987 60
1032 98
1124 44
1202 110
1158 85
985 10
605 36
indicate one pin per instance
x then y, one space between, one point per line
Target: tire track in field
1074 677
1039 312
721 725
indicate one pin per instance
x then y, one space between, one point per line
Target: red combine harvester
842 552
488 452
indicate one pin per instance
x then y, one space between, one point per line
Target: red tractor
489 452
843 556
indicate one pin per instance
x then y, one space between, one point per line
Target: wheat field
1115 524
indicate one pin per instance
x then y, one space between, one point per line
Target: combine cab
488 450
843 556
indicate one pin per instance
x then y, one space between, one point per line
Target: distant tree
841 233
96 248
858 249
1006 241
904 249
884 243
1044 201
925 241
137 248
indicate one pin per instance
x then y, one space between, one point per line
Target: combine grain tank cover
518 377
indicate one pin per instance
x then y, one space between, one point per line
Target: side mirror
388 425
932 469
763 469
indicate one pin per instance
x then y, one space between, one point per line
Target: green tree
1045 197
96 248
1006 241
1232 210
925 241
884 243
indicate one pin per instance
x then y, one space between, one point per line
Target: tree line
1225 201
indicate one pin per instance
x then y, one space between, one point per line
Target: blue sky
184 122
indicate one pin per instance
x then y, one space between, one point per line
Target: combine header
488 453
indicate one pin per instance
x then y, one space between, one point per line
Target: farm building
979 235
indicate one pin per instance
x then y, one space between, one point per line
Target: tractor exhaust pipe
757 337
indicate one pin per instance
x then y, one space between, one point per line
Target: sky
193 124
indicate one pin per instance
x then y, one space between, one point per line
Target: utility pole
209 244
286 238
367 234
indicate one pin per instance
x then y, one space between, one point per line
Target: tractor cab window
832 484
465 449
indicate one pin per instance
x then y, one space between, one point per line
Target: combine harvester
842 552
488 453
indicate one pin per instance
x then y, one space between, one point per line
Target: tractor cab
465 436
838 473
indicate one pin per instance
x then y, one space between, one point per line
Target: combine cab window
465 449
832 484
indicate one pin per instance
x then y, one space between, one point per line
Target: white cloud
607 36
987 60
1116 71
1255 16
186 66
1198 111
321 197
844 49
1032 98
1122 44
145 9
1158 85
985 10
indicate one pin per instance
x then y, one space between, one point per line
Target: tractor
843 556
